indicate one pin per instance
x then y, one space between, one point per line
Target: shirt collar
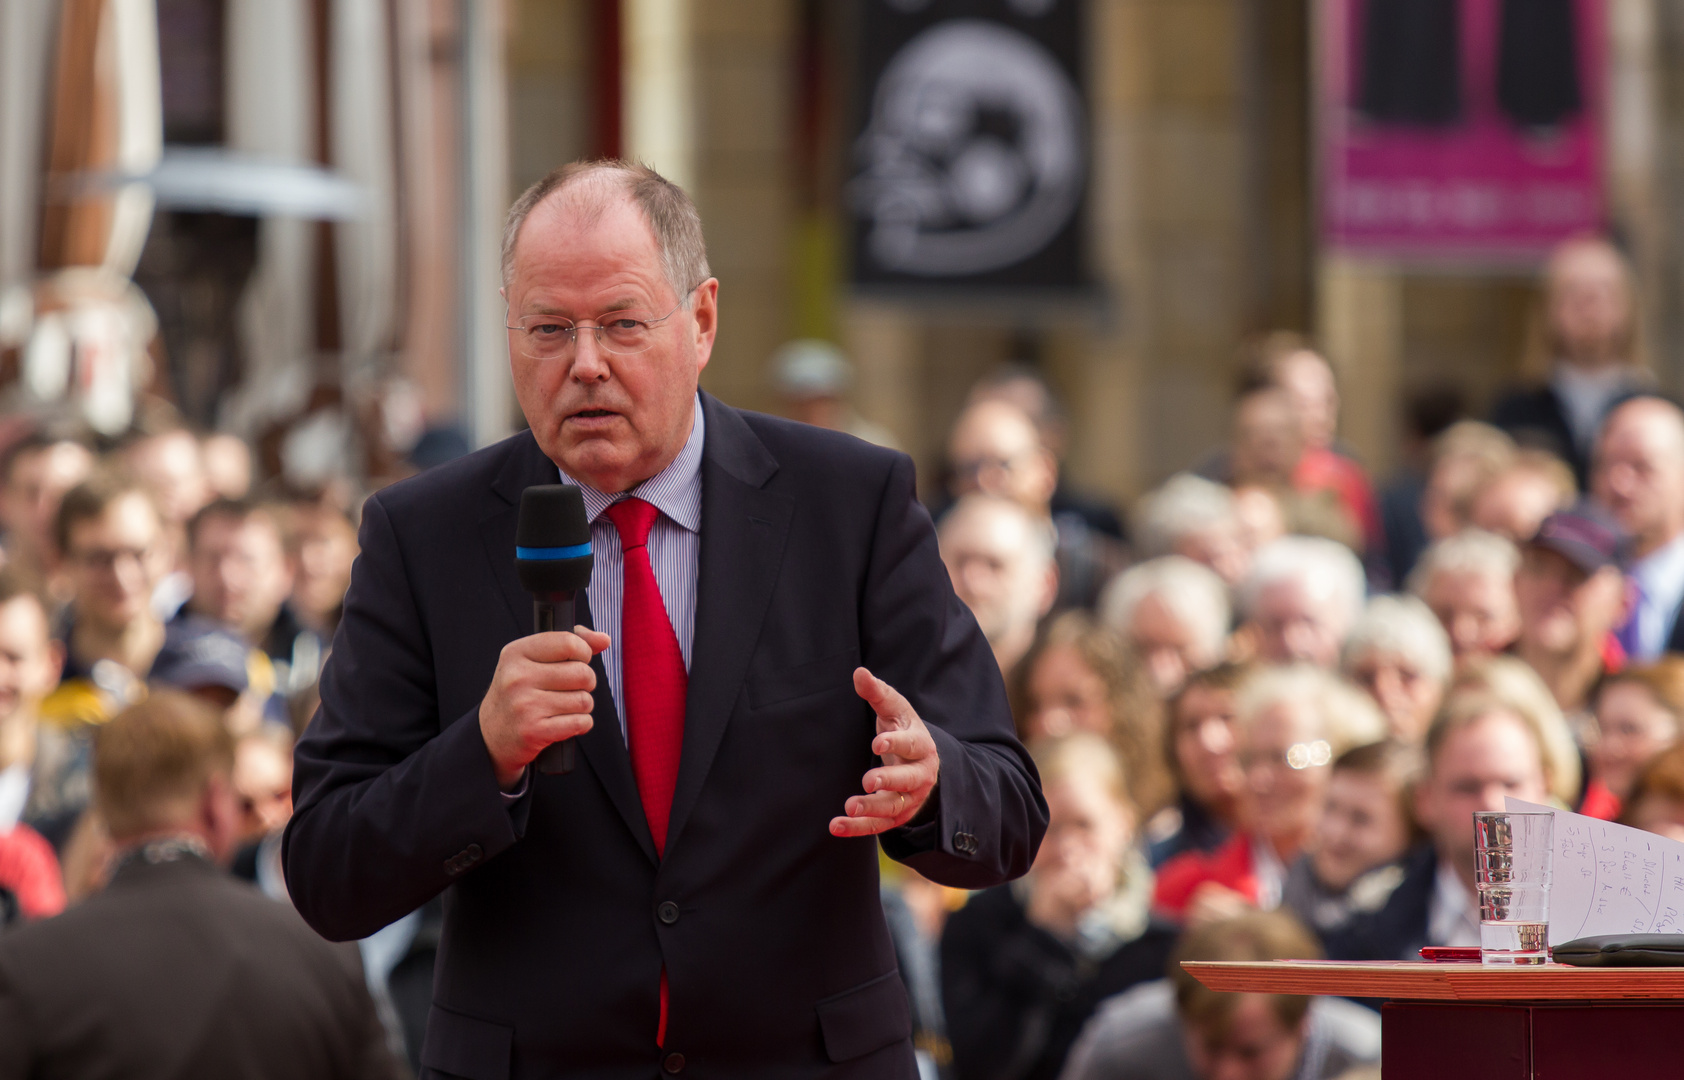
1663 565
1452 914
675 491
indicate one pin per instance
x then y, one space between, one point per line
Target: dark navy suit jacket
815 557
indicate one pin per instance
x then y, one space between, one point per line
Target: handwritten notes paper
1611 879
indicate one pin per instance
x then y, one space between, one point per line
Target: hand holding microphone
540 696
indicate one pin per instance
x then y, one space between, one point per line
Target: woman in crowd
1024 965
1400 654
1656 802
1364 831
1293 723
1201 749
1637 716
1079 676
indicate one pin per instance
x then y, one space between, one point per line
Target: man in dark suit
768 620
177 969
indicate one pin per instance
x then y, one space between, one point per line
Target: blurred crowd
1264 700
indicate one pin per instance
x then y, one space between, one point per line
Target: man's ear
705 314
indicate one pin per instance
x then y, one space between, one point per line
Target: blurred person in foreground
1479 750
177 969
813 378
1081 677
1024 965
1639 713
1293 723
1398 652
1587 345
1571 598
1656 802
1196 519
1468 582
35 473
996 450
1639 477
1000 559
1024 387
1300 601
1173 613
1202 750
1365 830
29 668
1515 501
1178 1029
243 580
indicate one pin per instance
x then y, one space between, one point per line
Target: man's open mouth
589 414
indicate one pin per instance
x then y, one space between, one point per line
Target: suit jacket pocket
869 1017
466 1046
815 677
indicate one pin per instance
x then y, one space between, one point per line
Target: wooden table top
1420 981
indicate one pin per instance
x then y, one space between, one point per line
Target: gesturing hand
540 694
898 789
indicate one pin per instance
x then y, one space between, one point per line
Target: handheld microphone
553 560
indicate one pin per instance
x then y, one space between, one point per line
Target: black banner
970 161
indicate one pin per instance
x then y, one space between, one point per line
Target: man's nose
590 363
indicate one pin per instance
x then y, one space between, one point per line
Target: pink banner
1461 131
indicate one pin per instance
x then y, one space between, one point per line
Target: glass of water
1513 854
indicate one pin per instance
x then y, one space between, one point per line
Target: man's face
1639 474
240 572
114 562
1362 827
35 488
327 546
1308 381
1220 547
1515 504
1167 646
1293 626
1255 1045
1474 769
995 571
29 661
1589 302
1477 610
609 420
1407 695
996 450
1562 609
1267 442
171 466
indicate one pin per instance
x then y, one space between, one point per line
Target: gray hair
1402 626
1184 504
1326 569
1040 538
1345 716
1192 592
672 216
1471 551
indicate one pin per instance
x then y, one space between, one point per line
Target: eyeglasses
624 333
1298 756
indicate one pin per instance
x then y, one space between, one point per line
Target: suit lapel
744 529
603 746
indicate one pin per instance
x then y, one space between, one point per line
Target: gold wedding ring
902 804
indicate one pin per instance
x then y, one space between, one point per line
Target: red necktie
652 675
653 682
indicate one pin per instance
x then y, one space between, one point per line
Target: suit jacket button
472 854
674 1064
964 843
668 913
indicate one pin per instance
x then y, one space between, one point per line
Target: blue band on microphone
577 551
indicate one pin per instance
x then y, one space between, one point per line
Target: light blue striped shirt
675 544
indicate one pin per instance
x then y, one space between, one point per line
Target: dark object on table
1622 950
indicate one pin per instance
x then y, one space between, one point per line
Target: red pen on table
1450 954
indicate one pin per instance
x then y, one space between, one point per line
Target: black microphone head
553 539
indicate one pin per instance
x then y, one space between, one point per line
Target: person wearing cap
212 662
1571 595
813 378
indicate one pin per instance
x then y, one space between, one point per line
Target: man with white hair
1174 614
1197 518
1000 557
1400 654
1301 599
1468 582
